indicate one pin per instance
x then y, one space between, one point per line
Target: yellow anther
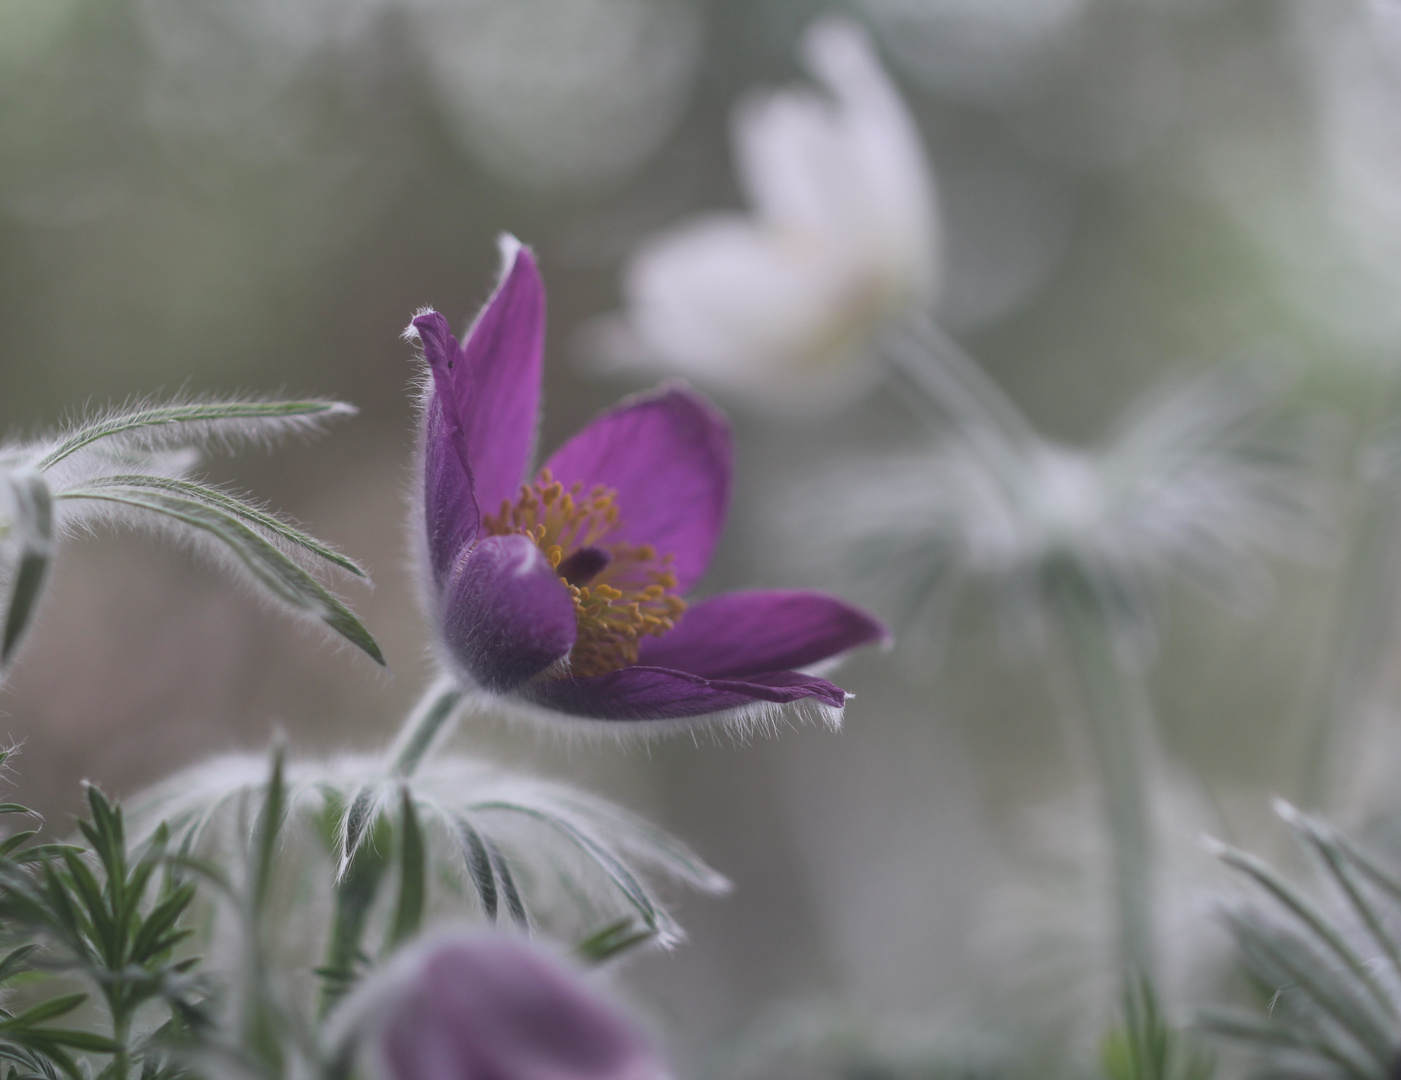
628 599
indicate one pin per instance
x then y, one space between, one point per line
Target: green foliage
99 918
109 918
1330 975
271 568
1147 1047
127 464
32 514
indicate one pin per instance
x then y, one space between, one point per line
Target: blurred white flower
1188 485
844 234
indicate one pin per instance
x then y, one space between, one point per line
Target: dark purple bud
477 1007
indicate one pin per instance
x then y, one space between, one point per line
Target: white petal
729 302
891 198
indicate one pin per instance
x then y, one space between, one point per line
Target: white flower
1190 486
780 304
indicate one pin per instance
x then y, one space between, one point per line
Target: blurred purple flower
471 1007
564 592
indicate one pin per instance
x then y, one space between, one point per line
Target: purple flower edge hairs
466 1006
562 591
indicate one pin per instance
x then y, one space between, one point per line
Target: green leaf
619 874
40 852
1334 858
1310 917
273 569
1235 1025
270 822
45 1010
34 1042
358 819
33 521
12 842
196 412
514 904
413 874
79 1040
479 866
89 895
222 500
613 940
15 961
1147 1047
149 942
1308 970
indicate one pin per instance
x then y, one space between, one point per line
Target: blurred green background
255 195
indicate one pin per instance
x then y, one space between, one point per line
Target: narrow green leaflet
1332 1011
613 940
413 875
272 568
622 878
356 826
222 500
479 867
1329 936
1146 1046
33 524
195 412
271 819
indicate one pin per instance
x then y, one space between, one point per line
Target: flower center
622 592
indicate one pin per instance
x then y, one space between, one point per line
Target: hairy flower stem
1360 642
1111 697
425 726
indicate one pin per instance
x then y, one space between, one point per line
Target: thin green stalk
1114 704
120 1064
424 726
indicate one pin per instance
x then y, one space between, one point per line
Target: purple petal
744 633
653 693
490 385
480 1008
451 517
506 617
668 455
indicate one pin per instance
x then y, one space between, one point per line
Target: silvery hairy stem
425 726
1109 694
1363 623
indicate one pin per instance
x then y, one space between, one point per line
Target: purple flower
565 591
473 1007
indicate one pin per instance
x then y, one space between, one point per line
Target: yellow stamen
629 599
